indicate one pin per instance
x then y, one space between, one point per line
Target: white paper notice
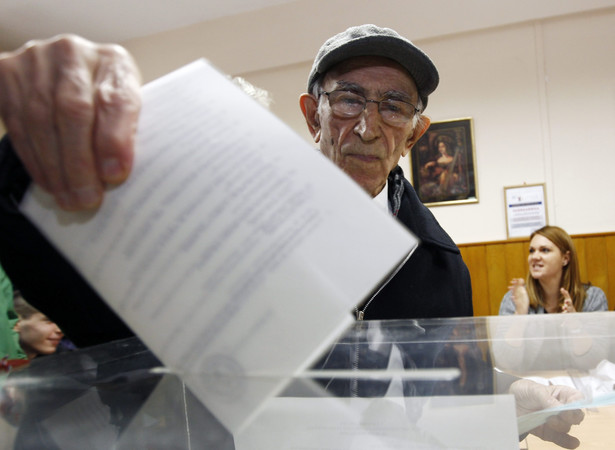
235 250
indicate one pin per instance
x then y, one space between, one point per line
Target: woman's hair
23 309
447 140
571 280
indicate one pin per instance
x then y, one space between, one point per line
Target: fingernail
112 169
87 196
64 199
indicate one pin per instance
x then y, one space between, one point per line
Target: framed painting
443 164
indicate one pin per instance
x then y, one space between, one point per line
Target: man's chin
369 186
372 181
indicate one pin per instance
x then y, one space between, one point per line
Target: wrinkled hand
519 295
567 306
70 107
531 396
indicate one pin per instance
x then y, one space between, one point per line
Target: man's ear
17 326
416 134
309 108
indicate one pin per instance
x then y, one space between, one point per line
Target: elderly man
70 107
366 93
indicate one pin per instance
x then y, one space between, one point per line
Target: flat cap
371 40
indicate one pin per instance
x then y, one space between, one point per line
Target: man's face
38 335
365 147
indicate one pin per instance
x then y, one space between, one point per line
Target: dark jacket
433 283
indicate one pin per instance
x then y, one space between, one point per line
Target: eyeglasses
348 104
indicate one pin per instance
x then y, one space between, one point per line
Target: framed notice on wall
526 209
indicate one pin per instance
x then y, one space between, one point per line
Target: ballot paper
410 423
235 250
528 422
596 386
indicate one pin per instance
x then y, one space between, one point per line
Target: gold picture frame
443 164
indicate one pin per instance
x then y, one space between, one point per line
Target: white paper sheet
530 421
456 422
596 386
235 249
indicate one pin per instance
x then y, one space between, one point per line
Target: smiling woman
553 282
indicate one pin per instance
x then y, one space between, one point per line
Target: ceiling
122 20
111 20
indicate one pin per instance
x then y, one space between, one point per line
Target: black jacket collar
407 207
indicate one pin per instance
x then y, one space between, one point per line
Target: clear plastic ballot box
408 384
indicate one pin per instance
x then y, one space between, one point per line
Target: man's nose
369 122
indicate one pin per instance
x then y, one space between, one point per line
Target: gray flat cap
370 40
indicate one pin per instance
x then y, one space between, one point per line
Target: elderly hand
531 396
519 296
70 107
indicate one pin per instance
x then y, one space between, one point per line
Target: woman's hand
519 296
567 306
531 396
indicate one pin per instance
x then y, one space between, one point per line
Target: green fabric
9 339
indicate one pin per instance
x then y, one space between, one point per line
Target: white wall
540 89
537 77
542 98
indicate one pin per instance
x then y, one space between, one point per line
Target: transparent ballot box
468 383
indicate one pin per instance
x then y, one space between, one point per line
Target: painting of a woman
440 166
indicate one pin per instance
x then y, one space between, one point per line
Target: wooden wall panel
497 275
475 258
596 261
516 260
493 264
610 258
579 244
